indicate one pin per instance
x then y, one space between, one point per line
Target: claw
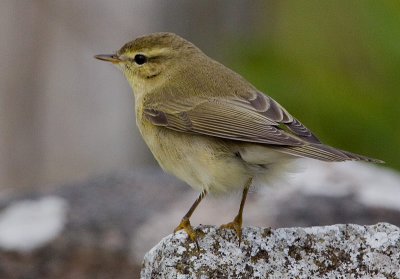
235 225
187 227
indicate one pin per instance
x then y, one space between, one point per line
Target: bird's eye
140 59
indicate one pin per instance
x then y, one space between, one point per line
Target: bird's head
150 60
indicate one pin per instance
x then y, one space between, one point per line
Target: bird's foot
187 227
235 225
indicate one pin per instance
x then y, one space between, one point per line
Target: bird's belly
202 162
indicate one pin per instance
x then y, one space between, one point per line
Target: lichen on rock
338 251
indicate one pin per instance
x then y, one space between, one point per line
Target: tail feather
357 157
324 153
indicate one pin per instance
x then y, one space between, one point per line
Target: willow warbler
207 125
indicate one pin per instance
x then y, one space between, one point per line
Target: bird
209 126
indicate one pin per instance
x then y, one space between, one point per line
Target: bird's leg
185 223
236 224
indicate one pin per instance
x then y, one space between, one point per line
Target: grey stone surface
338 251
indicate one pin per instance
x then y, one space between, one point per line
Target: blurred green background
336 67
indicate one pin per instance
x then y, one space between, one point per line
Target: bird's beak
113 58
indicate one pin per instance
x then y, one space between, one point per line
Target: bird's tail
324 153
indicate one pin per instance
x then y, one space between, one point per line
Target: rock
338 251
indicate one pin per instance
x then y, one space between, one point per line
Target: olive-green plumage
205 123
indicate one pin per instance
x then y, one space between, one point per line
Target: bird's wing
250 117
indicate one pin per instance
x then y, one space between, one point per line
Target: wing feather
225 120
253 117
250 117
